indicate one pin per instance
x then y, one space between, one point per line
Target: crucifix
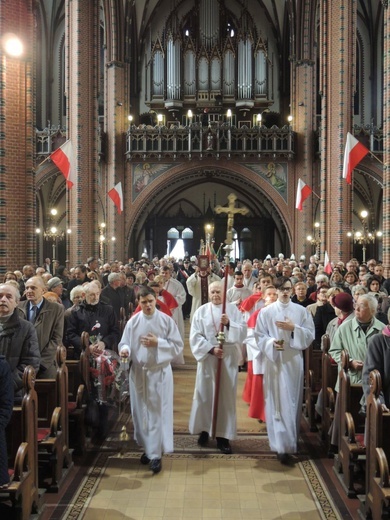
231 210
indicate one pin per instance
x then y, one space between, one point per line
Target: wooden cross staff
231 210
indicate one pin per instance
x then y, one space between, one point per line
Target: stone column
17 195
386 135
303 101
82 73
337 59
117 112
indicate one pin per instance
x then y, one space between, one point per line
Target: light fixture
159 118
130 118
364 237
315 239
289 119
189 114
54 235
229 113
12 45
259 117
102 238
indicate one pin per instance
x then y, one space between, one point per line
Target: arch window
187 233
173 233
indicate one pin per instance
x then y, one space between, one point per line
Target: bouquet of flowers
108 373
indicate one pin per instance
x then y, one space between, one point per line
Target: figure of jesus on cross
231 210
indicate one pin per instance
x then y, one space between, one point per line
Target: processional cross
231 210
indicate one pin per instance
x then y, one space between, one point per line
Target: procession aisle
200 483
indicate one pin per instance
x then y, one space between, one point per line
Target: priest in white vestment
194 287
283 330
205 326
151 340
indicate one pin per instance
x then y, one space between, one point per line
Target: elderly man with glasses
283 330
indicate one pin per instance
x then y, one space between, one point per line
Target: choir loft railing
216 139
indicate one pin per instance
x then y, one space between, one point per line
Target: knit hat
343 301
54 282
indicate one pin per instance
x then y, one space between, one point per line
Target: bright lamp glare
13 45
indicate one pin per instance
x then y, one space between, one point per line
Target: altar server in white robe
151 340
205 326
283 330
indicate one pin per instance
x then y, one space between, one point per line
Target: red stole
248 304
170 300
204 289
160 306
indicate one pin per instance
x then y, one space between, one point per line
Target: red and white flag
63 159
327 264
303 191
116 195
354 153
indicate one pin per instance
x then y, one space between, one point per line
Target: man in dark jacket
95 317
48 319
6 405
18 338
114 294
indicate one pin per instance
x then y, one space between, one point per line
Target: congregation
273 310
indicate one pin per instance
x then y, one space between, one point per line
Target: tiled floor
196 486
202 489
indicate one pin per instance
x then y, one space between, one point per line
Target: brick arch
242 181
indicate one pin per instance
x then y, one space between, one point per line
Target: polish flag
63 159
354 153
116 195
327 264
303 191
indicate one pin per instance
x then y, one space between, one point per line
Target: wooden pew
22 447
329 378
351 429
377 453
313 361
53 425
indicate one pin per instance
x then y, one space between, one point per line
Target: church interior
181 103
164 108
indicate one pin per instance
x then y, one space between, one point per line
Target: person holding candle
283 330
151 340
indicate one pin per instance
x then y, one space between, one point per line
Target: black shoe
203 439
284 458
224 445
144 459
155 465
